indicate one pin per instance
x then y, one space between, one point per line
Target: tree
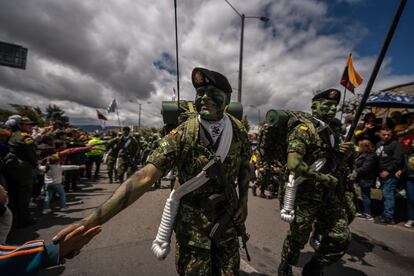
55 114
28 111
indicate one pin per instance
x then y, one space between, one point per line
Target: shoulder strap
190 135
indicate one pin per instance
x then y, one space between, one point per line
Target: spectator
31 257
407 135
6 216
408 174
397 122
20 163
390 156
53 181
95 155
365 174
368 129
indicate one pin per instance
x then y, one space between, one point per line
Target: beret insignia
199 78
333 95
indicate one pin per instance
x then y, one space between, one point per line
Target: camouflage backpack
174 115
272 142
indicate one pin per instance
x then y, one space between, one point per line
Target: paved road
123 247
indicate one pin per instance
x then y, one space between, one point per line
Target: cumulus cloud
83 53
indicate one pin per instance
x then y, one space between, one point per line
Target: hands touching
73 238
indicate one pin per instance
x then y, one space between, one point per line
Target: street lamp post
258 112
243 17
139 114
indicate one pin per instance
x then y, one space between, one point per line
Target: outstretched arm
126 194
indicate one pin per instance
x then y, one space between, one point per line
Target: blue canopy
391 100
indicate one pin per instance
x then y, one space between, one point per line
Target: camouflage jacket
196 217
23 147
312 145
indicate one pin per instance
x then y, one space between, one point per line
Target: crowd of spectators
40 163
385 160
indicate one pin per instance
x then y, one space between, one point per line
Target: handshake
73 238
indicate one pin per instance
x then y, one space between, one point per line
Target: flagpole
343 104
376 68
117 114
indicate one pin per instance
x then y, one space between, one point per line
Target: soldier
112 150
20 163
265 161
126 159
319 198
193 145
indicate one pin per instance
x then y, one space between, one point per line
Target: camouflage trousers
110 166
192 260
125 166
331 220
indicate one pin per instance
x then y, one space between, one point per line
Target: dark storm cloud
66 33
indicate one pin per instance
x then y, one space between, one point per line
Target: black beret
329 94
125 128
202 77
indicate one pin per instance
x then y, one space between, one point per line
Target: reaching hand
346 148
72 243
66 231
328 180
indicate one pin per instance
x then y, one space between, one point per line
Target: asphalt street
123 247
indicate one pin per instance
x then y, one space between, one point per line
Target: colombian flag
350 78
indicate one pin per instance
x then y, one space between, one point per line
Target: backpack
174 115
272 142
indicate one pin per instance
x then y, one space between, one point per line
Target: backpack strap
190 135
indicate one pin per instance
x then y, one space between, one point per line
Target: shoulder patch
303 128
28 140
173 132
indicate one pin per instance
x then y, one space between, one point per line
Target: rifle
229 201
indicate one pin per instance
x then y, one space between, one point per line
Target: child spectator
368 128
53 181
365 174
408 174
390 156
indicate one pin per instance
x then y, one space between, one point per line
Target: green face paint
210 102
324 110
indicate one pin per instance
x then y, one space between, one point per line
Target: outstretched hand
72 242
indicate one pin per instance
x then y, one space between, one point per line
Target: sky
83 53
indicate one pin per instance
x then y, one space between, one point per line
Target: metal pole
176 55
239 95
343 104
260 118
139 117
377 66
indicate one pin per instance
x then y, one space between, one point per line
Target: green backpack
272 142
174 115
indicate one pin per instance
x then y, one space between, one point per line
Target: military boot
284 269
312 268
111 180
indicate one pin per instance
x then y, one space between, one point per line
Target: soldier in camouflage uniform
190 147
112 150
319 197
128 147
265 161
